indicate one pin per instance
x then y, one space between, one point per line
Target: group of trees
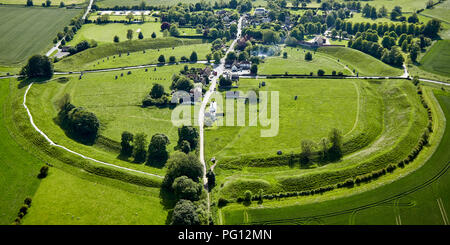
156 97
79 123
330 149
38 66
135 146
155 153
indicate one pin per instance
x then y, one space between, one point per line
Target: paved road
220 69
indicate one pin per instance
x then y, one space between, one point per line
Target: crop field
402 125
118 110
364 65
39 2
149 57
295 63
81 61
437 59
27 31
403 201
84 202
19 168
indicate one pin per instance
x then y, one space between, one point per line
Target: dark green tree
126 147
184 213
38 66
186 188
157 152
139 145
180 164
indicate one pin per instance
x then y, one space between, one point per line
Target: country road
220 69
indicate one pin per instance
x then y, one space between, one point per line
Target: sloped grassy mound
80 60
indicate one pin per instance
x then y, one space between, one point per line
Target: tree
126 147
285 55
307 148
29 3
209 57
83 124
186 188
414 52
248 196
62 4
184 213
193 57
116 39
38 66
320 72
157 152
254 69
141 36
139 145
172 59
129 34
165 26
185 147
211 179
129 16
324 146
335 151
174 31
162 59
43 172
180 164
308 56
224 82
181 83
153 35
48 3
190 134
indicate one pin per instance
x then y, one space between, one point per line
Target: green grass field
117 104
296 63
18 177
403 201
363 64
84 202
83 60
28 31
437 59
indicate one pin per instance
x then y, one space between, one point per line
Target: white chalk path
71 151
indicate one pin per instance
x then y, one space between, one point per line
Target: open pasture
81 201
27 31
384 133
403 201
295 63
39 2
117 104
19 169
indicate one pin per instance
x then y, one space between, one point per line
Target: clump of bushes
43 172
23 210
156 97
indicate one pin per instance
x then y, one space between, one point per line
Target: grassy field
296 63
363 64
18 178
28 31
437 59
82 60
397 202
117 104
84 202
149 57
319 103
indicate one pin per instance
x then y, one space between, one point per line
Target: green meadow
437 59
